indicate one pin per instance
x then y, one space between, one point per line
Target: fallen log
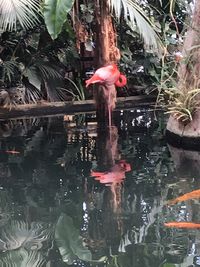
73 107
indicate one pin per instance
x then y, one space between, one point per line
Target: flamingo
108 76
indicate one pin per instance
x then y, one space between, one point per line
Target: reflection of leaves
5 206
69 241
18 233
22 258
120 260
35 142
69 154
169 265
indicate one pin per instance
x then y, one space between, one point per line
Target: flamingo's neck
122 81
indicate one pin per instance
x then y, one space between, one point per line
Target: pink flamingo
108 76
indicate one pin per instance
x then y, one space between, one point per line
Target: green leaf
33 77
34 40
67 26
69 241
55 15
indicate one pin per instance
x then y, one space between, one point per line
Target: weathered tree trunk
106 39
106 52
189 79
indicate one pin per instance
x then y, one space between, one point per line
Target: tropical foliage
40 47
182 104
55 15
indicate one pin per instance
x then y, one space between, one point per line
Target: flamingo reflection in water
114 178
115 175
111 162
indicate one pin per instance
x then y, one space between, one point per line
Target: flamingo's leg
109 109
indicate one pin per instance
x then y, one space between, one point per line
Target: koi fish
12 152
108 75
115 175
191 195
186 225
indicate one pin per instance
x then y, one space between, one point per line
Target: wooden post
106 52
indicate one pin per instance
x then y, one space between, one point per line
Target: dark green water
72 194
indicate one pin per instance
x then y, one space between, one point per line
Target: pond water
74 194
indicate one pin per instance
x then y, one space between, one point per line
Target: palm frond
33 75
8 70
47 71
25 12
41 70
32 94
79 91
135 16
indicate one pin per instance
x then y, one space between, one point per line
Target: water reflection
112 169
76 194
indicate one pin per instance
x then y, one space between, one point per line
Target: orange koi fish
186 225
115 175
191 195
12 152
